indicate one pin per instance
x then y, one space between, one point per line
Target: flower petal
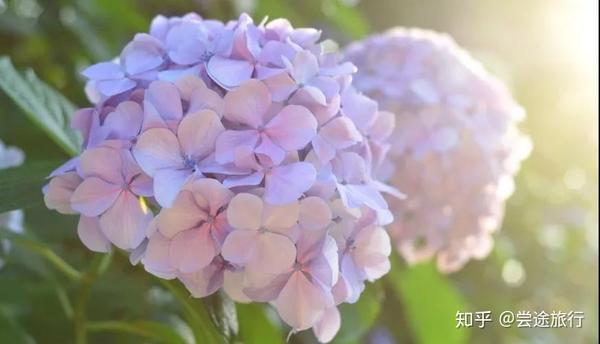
292 128
245 211
94 196
124 224
198 132
91 235
156 149
285 184
59 192
229 142
239 246
315 213
248 103
329 324
301 304
192 249
168 183
164 97
184 214
229 73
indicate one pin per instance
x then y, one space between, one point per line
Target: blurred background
545 256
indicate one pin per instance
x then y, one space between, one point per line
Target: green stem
98 266
116 326
49 255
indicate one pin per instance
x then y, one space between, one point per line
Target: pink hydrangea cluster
456 147
234 156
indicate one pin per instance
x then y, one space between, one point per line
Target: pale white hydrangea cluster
456 147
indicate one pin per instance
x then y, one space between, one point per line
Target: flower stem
97 267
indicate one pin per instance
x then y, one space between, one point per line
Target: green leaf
431 303
46 107
11 331
347 19
357 318
222 312
255 326
21 187
196 314
149 329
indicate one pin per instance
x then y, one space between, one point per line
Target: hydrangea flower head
456 147
234 156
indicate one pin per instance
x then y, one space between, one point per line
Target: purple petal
229 73
285 184
157 149
103 71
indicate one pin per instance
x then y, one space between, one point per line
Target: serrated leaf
46 107
357 318
255 326
431 303
150 329
21 187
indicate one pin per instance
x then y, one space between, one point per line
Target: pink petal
301 304
292 128
94 196
101 162
156 258
229 73
240 246
285 184
281 86
280 216
157 149
341 133
274 253
233 285
193 249
59 192
91 236
205 98
198 132
315 213
329 324
230 140
203 282
184 214
248 103
124 224
245 211
214 192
